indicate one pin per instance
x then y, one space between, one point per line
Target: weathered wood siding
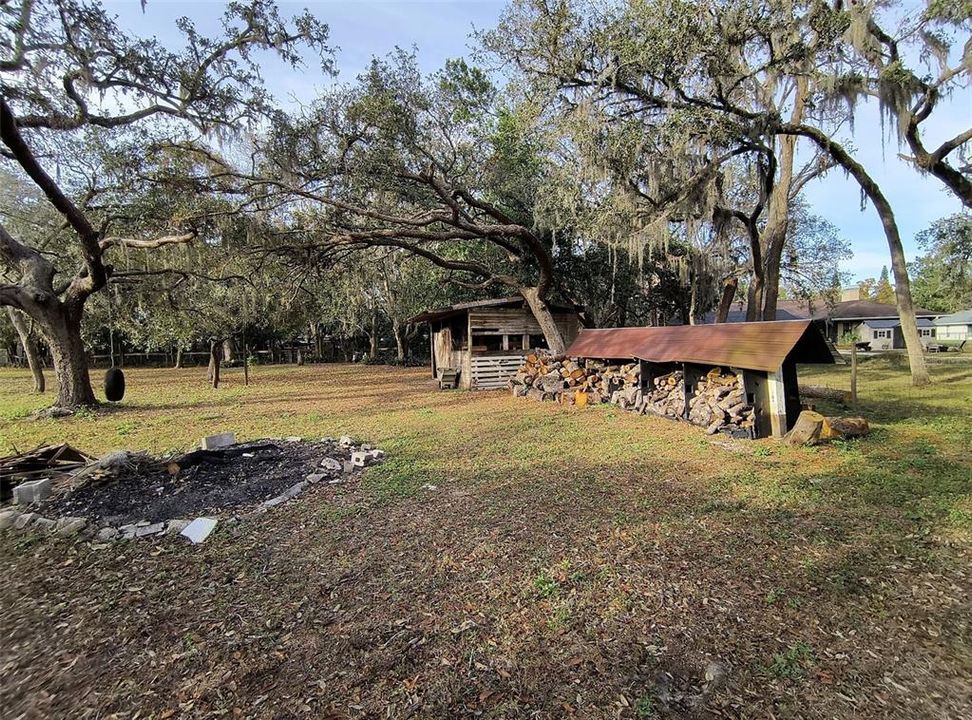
489 372
512 321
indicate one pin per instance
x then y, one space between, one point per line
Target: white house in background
886 333
957 326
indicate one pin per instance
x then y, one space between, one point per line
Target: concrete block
348 467
32 491
7 518
360 458
346 441
70 526
220 440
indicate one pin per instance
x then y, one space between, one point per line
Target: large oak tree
67 67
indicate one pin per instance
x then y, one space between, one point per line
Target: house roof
458 308
785 310
751 346
963 317
864 310
895 322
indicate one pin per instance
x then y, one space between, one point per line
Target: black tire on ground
114 384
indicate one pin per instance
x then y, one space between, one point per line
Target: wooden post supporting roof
777 402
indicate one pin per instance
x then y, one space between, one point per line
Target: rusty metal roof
751 346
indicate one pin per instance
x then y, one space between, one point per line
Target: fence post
853 389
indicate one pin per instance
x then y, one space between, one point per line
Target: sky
441 29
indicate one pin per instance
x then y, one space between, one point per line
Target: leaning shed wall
758 361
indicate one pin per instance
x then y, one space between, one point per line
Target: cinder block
360 458
32 491
220 440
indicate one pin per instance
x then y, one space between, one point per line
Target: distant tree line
644 161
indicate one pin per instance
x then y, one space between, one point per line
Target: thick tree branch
109 242
87 235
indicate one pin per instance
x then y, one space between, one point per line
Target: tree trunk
228 350
373 338
899 266
214 361
552 334
30 349
728 295
178 357
399 340
775 238
754 298
693 299
62 329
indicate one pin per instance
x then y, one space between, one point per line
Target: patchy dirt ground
197 483
515 560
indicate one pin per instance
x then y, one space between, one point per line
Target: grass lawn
564 560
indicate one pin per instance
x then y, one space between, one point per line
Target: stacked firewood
668 396
547 377
719 403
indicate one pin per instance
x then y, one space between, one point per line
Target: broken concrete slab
153 529
274 501
346 441
220 440
22 522
199 529
43 524
348 467
175 527
107 533
32 491
7 518
291 492
330 463
315 477
70 526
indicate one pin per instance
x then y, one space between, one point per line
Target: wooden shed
764 356
487 340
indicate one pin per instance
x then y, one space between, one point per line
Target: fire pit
135 494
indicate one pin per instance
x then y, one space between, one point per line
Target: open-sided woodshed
486 340
757 362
